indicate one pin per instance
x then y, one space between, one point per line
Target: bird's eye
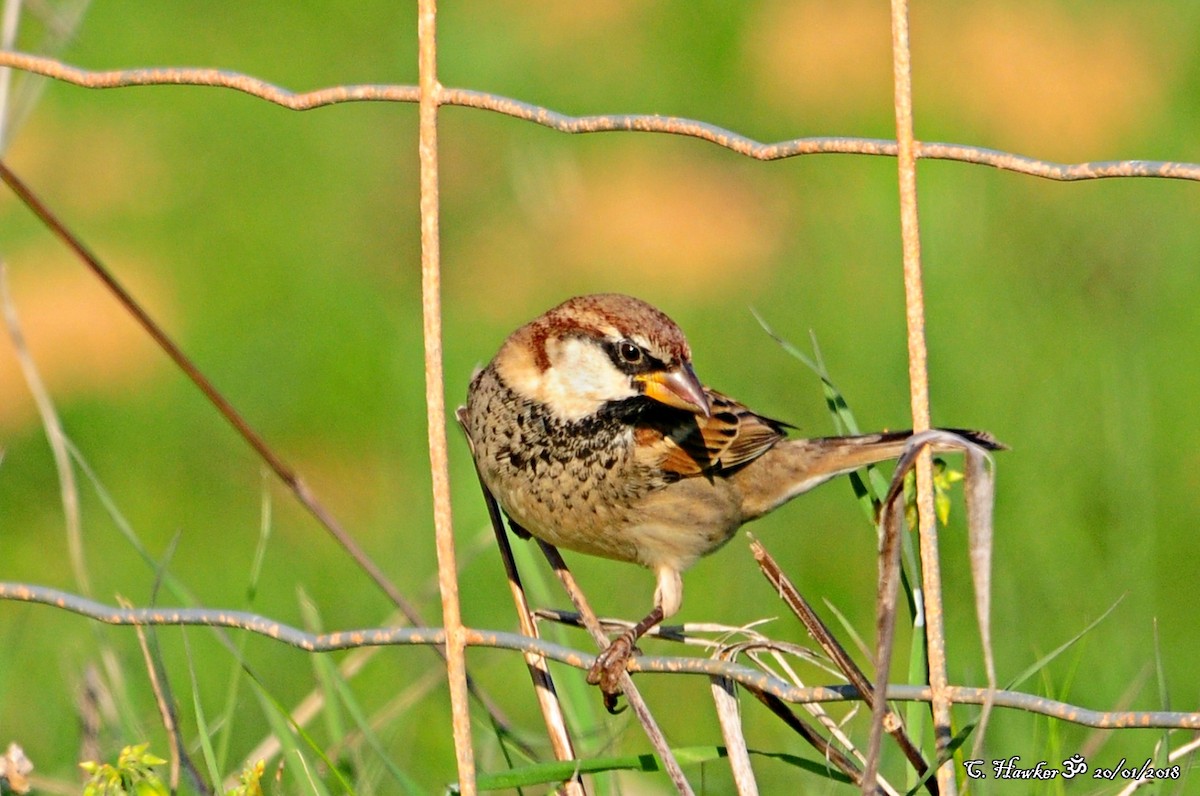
629 352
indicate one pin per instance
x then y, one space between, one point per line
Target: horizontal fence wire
411 636
646 123
651 123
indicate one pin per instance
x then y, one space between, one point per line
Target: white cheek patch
580 379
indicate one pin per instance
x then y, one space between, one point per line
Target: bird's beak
678 388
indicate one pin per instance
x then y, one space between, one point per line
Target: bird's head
598 349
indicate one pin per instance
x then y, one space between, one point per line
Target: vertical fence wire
918 375
431 95
435 399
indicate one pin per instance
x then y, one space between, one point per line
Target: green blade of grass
1163 748
287 731
359 717
1043 661
206 747
337 693
323 668
555 772
235 673
953 748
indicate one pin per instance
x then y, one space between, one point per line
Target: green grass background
281 250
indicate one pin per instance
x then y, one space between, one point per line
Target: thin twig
632 695
1176 755
435 399
628 122
278 466
539 672
700 666
818 741
837 653
274 461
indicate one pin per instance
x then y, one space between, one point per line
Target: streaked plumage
592 431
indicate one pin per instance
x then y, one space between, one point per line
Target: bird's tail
795 466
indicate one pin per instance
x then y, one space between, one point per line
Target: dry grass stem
166 710
688 633
837 653
1175 756
980 493
729 715
9 19
68 489
882 717
815 709
827 750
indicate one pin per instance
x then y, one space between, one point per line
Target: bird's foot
607 670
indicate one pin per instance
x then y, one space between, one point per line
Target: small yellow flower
944 479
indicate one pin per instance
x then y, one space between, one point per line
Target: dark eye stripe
629 357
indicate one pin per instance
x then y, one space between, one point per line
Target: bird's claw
607 670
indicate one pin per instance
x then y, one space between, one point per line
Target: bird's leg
610 664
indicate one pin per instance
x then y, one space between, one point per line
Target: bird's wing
688 445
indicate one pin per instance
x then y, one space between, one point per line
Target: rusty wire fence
932 763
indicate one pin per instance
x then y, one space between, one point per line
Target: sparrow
594 434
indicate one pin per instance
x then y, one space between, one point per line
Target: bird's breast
568 482
579 484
